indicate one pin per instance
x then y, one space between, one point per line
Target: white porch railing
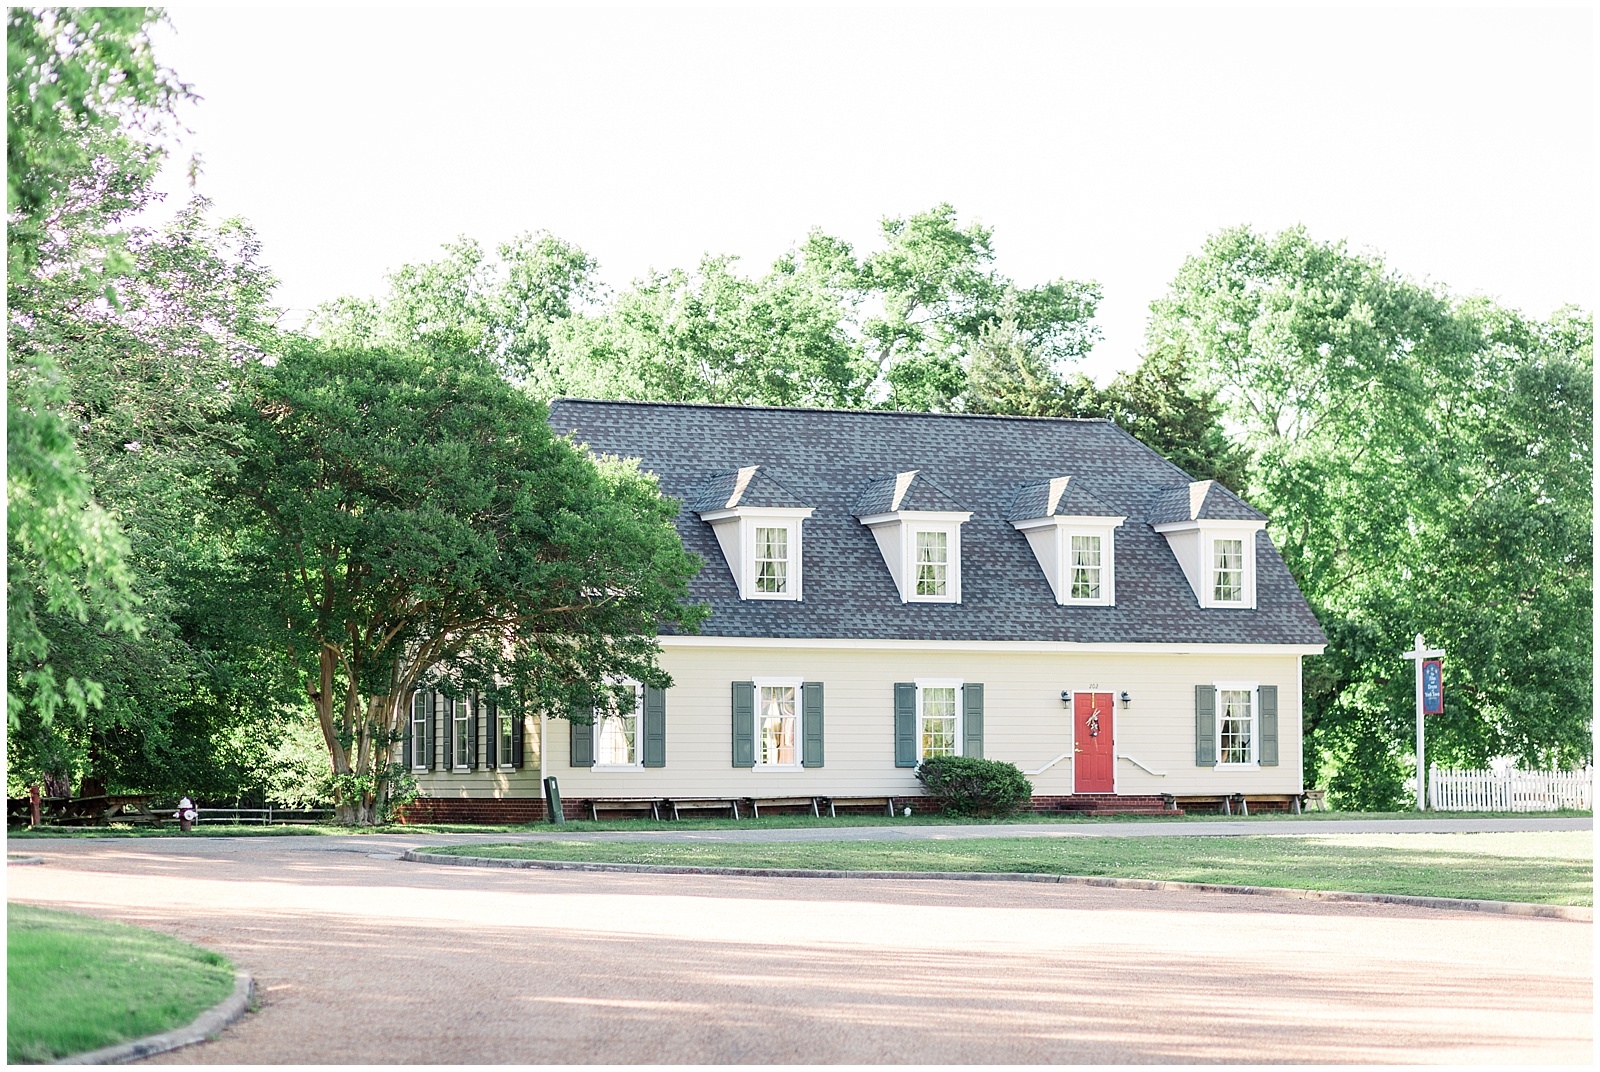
1476 790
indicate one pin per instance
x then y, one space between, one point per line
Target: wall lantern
1124 700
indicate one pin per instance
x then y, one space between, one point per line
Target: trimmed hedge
966 786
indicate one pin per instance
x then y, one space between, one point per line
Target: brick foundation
501 810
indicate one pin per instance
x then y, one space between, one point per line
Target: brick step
1098 804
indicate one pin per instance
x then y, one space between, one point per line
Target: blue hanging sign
1432 687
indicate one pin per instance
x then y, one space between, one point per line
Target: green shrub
966 786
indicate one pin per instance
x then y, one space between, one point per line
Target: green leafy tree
508 308
1426 466
124 346
716 336
1161 405
932 291
74 79
411 514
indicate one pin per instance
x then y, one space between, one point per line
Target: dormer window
757 522
933 563
1073 537
1212 534
772 560
918 528
1227 570
1086 567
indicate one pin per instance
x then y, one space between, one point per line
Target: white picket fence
1479 790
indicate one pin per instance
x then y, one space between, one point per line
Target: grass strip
769 822
76 984
1545 867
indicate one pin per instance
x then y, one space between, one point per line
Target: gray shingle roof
750 485
828 459
1199 500
913 490
1034 500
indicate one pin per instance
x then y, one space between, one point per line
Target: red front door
1093 760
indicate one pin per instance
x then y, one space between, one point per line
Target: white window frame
915 563
503 747
460 740
1108 566
1254 689
791 568
1208 565
923 684
418 729
799 720
638 730
1214 573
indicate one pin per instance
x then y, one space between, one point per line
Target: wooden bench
783 802
1239 803
858 802
599 804
693 803
1315 800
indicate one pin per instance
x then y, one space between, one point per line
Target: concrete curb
205 1026
1456 904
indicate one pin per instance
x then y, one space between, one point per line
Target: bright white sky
1099 144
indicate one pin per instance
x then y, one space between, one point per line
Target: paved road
381 961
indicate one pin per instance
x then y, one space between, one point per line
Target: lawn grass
1546 867
769 822
76 984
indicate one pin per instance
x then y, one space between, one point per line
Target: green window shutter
744 724
581 737
1267 753
518 728
905 724
811 724
655 727
441 710
1205 726
472 732
972 720
405 731
427 733
491 737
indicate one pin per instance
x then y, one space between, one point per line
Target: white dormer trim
735 527
1194 545
1051 541
896 533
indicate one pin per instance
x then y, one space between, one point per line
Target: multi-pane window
772 560
462 736
777 726
1085 567
933 563
938 718
421 708
1228 571
505 729
1234 723
617 736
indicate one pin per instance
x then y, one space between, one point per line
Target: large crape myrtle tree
410 514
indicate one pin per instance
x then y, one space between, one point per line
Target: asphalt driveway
365 959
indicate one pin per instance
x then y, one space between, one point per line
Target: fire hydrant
186 814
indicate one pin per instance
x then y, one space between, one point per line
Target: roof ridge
836 409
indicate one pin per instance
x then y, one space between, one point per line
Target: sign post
1430 701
